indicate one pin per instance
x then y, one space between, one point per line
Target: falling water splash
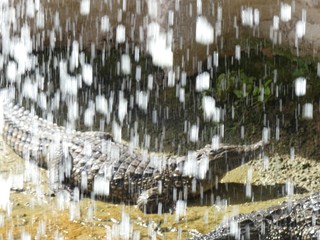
162 75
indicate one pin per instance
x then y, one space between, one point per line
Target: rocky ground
303 173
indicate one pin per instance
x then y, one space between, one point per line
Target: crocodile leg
149 200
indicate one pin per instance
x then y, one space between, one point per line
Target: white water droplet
204 31
150 82
265 135
215 142
121 34
238 52
102 105
194 133
5 185
190 165
142 99
123 107
138 73
101 186
171 78
300 86
247 16
105 24
300 29
256 17
203 81
181 209
87 75
181 95
203 167
85 7
30 12
292 154
153 9
12 71
89 116
125 64
248 190
285 12
289 188
116 131
265 162
307 111
275 23
157 46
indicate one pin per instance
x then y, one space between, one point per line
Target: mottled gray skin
133 175
298 219
81 159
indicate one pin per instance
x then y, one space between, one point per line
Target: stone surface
185 48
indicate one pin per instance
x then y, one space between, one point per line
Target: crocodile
96 164
293 219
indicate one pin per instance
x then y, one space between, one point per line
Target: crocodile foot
151 201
